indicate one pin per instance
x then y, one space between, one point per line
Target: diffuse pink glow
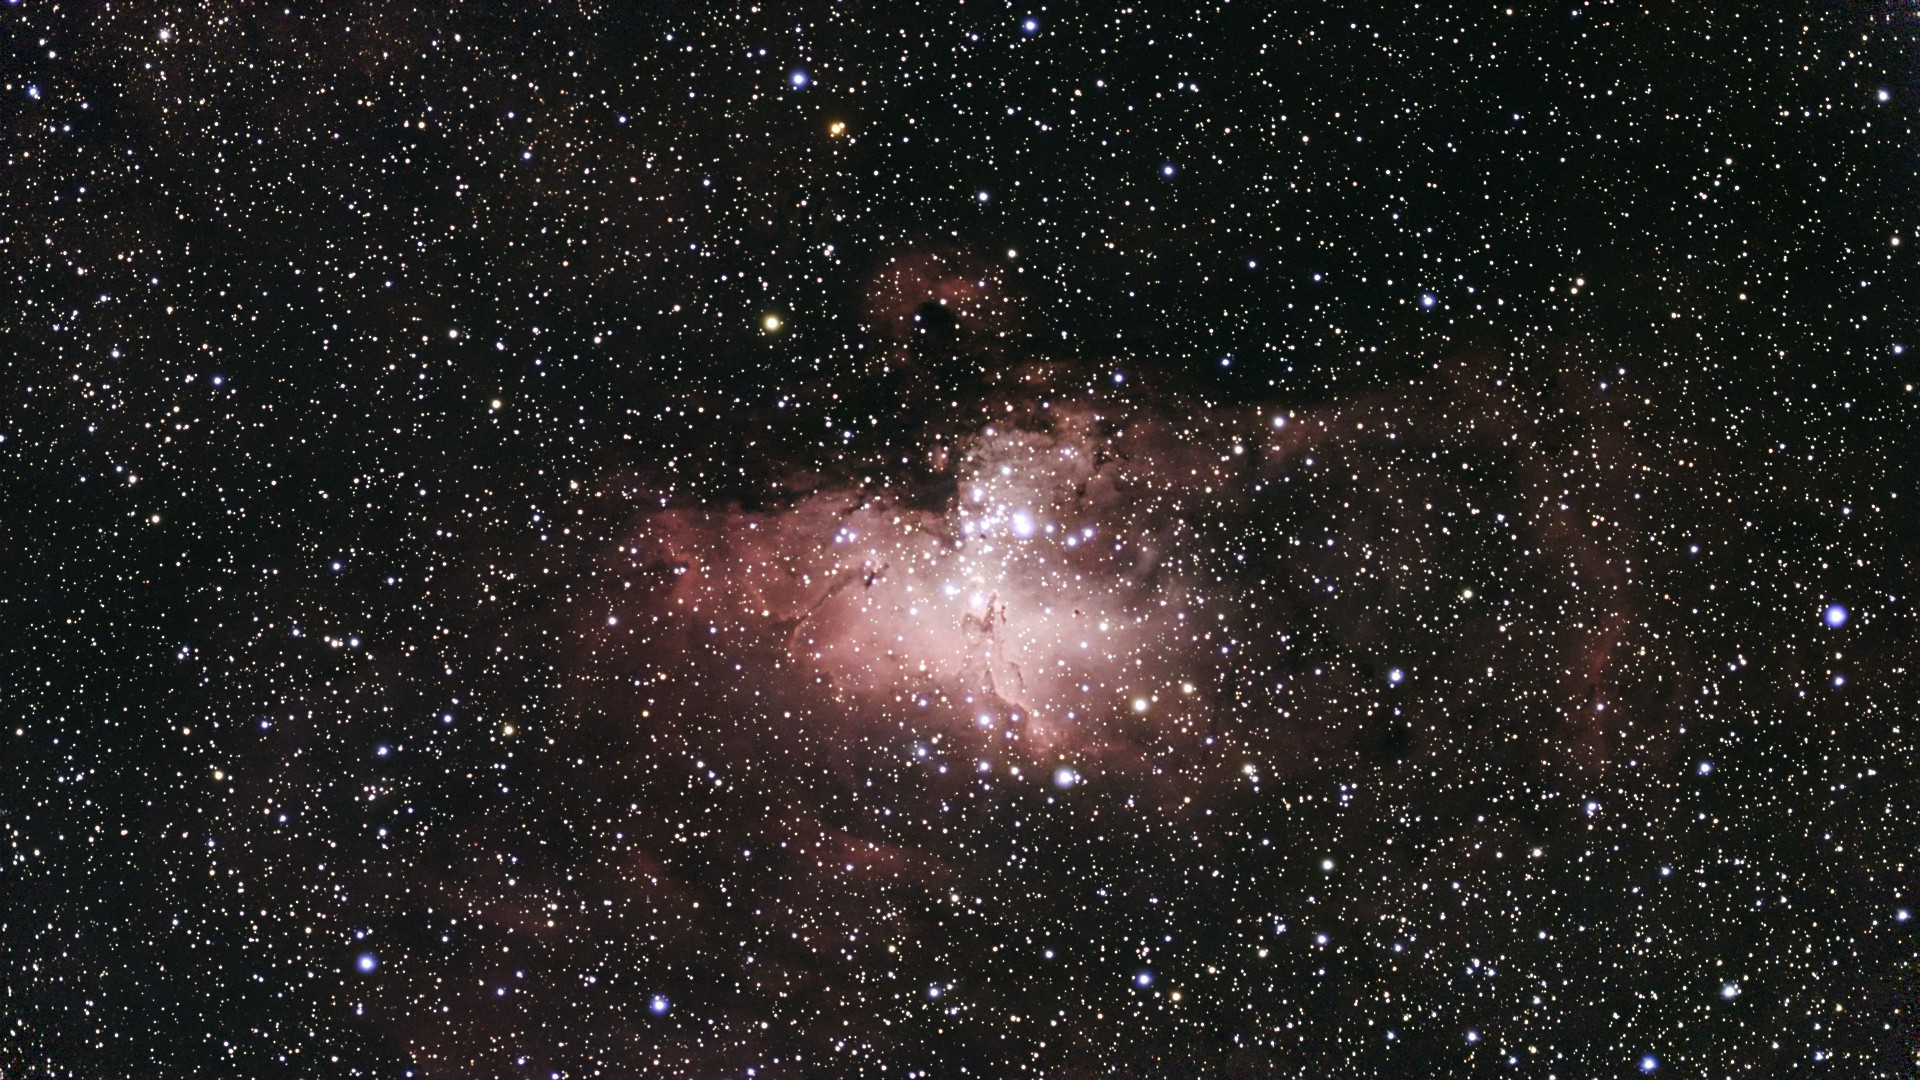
1126 586
1025 610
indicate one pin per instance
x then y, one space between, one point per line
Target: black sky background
350 347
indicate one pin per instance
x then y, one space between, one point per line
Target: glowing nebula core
1021 610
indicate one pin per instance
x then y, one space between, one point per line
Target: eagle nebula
1099 697
1102 582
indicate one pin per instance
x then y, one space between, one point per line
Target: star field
937 540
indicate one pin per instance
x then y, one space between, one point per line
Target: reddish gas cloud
1024 615
800 724
1110 582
